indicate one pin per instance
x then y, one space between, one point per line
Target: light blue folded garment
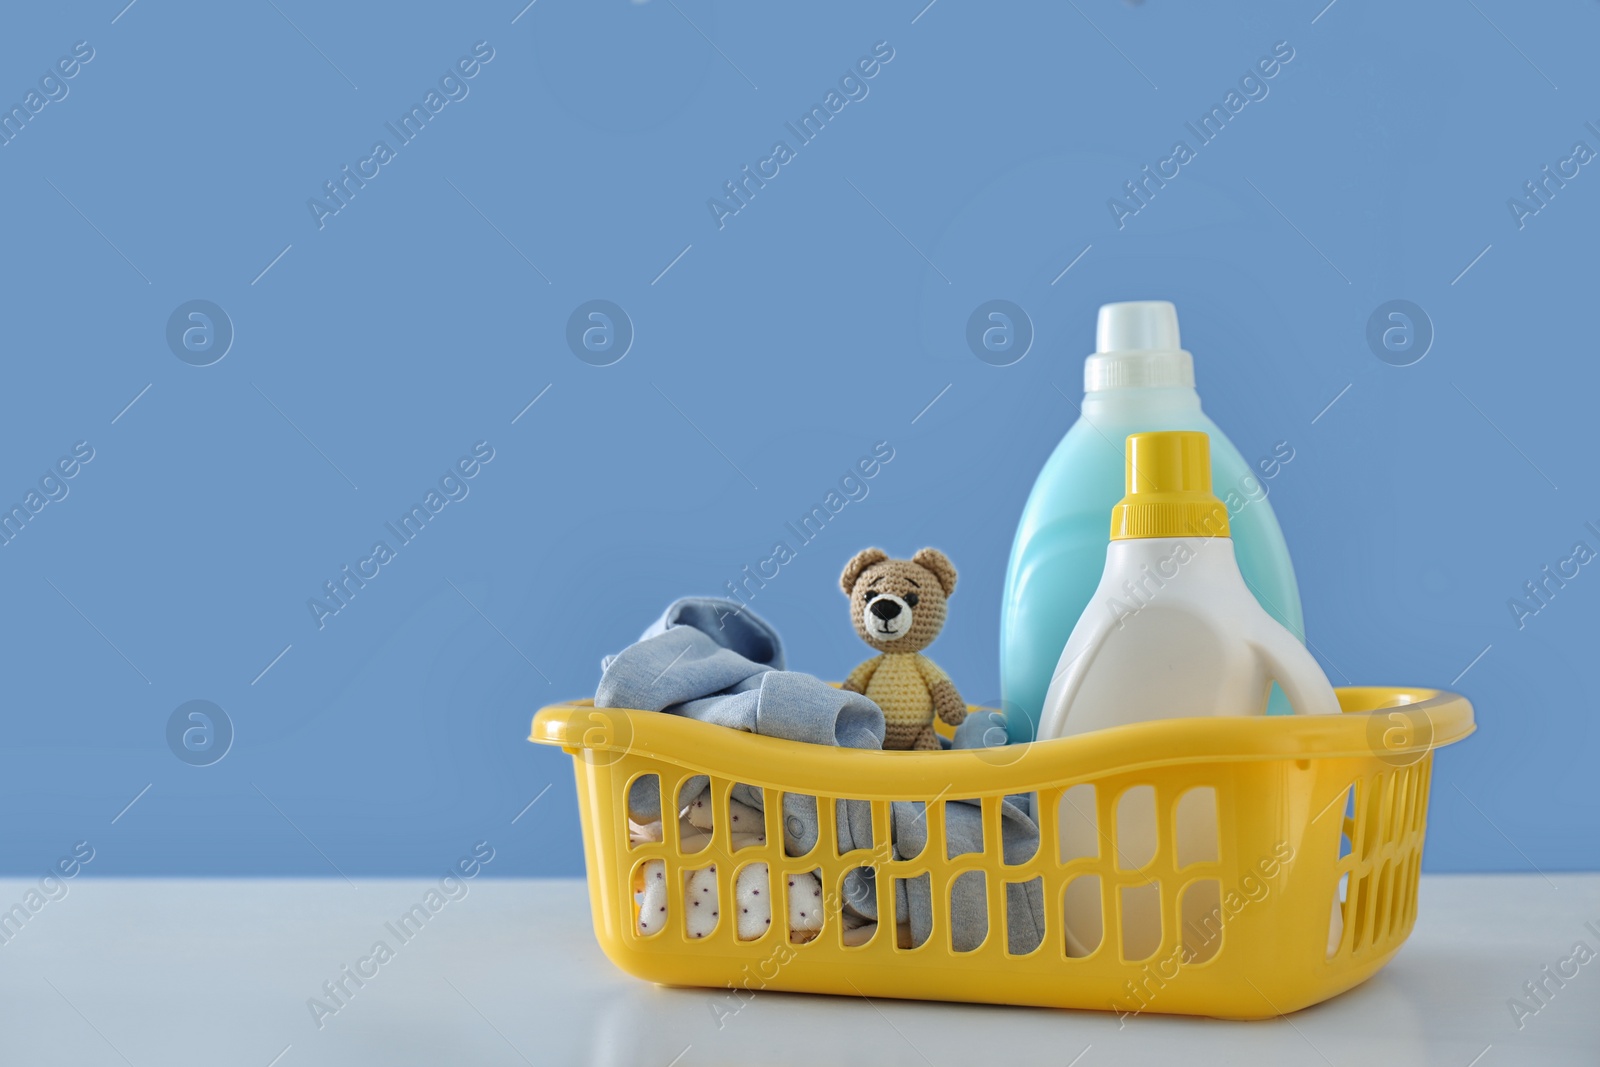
731 673
715 660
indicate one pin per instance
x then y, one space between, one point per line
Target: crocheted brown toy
898 607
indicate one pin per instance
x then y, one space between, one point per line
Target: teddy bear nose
884 608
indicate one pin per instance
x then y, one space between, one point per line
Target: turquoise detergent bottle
1140 379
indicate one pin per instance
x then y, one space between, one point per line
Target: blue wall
376 345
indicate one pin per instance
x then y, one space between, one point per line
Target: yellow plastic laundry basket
1310 811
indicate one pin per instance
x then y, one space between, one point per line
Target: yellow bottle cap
1168 482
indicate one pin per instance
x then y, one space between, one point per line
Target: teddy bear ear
860 562
940 565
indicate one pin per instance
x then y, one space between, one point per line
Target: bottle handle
1295 670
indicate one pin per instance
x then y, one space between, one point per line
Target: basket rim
1428 718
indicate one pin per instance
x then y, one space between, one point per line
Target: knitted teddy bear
898 607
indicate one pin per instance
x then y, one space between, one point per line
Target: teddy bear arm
948 703
862 676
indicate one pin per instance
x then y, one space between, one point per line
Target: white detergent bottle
1171 631
1139 379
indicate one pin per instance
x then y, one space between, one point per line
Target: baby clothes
752 897
752 889
717 661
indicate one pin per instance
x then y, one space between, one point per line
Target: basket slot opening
858 823
912 838
1203 920
644 810
1397 904
1408 816
1077 831
906 892
1195 820
802 895
1424 776
969 911
1023 934
1083 914
1411 887
752 897
1140 910
746 823
697 815
1400 912
1394 800
1402 815
1405 811
701 912
1136 828
1347 820
858 899
1390 800
1416 873
963 828
1394 824
1340 909
1370 808
1419 806
1381 900
1336 920
1015 853
1358 912
800 834
650 897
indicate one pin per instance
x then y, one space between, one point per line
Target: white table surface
157 973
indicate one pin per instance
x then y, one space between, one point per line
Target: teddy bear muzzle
887 617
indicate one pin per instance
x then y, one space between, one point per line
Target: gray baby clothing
715 660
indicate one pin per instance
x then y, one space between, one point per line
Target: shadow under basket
1309 887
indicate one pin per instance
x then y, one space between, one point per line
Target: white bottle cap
1138 347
